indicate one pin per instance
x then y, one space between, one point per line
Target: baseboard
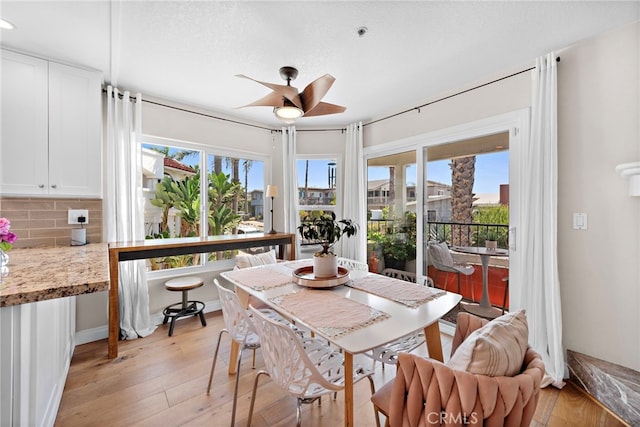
102 332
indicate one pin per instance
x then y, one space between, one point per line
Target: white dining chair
305 367
440 257
240 328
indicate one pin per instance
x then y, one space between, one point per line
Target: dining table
365 311
484 307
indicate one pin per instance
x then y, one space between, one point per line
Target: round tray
304 276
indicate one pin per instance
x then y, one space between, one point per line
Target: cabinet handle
54 186
41 186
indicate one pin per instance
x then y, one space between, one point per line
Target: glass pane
316 182
391 211
467 205
236 198
171 188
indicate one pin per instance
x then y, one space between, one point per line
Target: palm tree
462 176
246 165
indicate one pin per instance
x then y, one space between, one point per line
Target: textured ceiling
189 52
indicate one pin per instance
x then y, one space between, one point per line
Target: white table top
478 250
402 319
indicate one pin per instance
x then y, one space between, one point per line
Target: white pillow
496 349
244 261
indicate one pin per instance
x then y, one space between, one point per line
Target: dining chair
440 257
239 326
305 367
388 353
416 393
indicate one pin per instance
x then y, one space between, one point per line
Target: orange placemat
406 293
328 312
260 278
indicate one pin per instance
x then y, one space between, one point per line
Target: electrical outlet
76 216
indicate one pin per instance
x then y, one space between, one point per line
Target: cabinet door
23 149
75 131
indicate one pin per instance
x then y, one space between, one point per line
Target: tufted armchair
426 392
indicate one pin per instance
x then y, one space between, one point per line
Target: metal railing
461 234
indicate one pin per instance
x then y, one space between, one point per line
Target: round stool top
184 283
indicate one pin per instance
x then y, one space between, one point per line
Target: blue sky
491 170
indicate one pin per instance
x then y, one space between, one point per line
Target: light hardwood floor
161 380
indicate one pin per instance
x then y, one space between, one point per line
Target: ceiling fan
289 105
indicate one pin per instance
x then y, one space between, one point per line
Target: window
316 191
175 179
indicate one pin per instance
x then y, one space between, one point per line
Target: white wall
598 110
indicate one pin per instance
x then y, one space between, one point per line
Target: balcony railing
461 234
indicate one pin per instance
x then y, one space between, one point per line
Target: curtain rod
104 90
200 114
453 95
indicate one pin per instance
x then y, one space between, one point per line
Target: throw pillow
244 261
496 349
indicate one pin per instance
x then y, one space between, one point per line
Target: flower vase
4 264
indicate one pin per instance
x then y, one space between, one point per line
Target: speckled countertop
37 274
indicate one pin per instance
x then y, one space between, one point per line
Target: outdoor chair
442 260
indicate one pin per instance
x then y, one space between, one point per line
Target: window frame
205 152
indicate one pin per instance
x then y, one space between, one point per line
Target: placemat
406 293
328 312
299 263
260 278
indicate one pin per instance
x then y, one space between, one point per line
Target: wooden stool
186 307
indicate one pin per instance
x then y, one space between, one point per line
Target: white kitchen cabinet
37 346
51 128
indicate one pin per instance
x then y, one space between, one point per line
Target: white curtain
539 292
125 215
290 192
354 194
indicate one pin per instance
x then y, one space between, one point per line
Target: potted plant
491 241
326 231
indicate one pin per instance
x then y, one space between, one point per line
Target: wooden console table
129 251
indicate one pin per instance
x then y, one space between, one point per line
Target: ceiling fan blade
289 92
324 108
273 99
315 91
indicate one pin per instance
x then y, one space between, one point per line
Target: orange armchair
426 392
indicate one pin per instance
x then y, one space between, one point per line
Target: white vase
4 264
491 245
325 265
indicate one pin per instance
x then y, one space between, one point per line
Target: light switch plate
579 221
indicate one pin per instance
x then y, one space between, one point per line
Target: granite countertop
37 274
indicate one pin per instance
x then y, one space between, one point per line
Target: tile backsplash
43 221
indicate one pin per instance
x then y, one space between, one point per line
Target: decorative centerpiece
7 238
326 231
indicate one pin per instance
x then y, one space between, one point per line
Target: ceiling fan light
288 112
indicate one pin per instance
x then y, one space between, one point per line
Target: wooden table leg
434 342
348 389
114 315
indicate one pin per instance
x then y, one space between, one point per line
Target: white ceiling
189 51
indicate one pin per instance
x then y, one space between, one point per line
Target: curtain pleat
290 193
540 290
125 221
354 194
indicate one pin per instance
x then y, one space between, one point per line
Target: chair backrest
351 264
440 256
296 366
236 319
417 398
407 276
